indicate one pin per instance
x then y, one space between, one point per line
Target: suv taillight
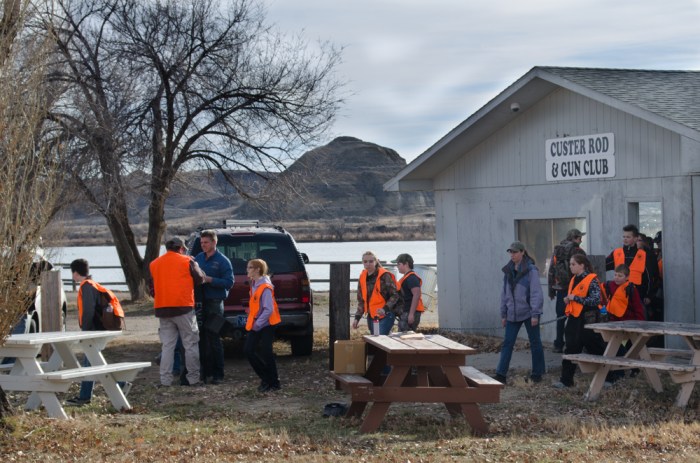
305 291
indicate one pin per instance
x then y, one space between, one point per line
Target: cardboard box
349 357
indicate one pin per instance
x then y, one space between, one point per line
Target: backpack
106 311
562 255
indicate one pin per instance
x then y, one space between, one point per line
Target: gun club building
563 148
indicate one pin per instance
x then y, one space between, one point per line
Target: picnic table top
32 339
650 327
429 344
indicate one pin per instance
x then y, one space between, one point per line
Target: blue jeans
511 334
385 324
86 387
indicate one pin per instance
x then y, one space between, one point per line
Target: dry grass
233 422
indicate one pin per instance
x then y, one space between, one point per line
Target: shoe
263 386
275 387
77 402
536 379
215 381
162 386
559 385
558 350
607 385
500 378
197 384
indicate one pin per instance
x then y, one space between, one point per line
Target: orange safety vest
661 268
420 307
113 301
619 301
574 308
636 267
254 305
376 300
172 281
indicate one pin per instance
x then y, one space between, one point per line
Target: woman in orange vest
263 315
377 295
582 301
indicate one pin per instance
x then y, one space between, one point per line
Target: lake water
423 252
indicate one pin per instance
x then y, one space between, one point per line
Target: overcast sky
417 68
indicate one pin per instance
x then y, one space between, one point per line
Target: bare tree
164 85
28 166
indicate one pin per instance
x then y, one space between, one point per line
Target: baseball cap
516 246
574 233
404 259
174 243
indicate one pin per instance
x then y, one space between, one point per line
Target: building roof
674 95
670 99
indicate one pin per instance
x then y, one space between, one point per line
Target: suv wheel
302 345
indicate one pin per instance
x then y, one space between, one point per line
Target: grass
233 422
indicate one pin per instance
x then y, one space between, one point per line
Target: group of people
382 299
185 287
635 293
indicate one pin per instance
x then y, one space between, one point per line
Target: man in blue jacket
217 283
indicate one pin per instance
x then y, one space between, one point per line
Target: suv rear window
277 250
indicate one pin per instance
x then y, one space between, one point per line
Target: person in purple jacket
263 315
521 303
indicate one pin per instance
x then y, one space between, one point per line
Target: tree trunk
5 408
131 261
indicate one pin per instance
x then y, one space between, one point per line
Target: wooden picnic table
683 365
45 380
428 370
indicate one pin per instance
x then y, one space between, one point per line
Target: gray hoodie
521 296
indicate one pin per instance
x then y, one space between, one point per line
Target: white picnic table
45 380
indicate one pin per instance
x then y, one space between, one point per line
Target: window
541 235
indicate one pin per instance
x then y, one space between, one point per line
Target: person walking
583 299
217 283
174 277
558 277
377 295
521 304
93 300
263 316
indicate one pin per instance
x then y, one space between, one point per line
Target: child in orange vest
626 305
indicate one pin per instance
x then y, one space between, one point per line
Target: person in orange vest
90 306
582 307
377 295
636 260
174 276
410 288
623 299
263 316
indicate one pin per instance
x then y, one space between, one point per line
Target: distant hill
341 181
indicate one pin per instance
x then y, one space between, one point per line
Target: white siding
514 155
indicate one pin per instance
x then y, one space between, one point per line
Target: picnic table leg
597 383
377 410
356 409
438 378
114 392
52 405
684 394
472 413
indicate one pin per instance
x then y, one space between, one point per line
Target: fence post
338 306
51 310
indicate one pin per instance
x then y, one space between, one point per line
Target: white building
564 147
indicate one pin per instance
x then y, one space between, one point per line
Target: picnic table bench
683 365
428 370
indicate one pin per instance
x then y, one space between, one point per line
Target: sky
415 69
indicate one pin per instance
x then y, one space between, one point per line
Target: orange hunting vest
420 307
254 305
636 267
113 301
172 281
574 308
661 268
376 300
619 301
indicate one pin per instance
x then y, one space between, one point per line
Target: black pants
560 309
576 338
263 362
